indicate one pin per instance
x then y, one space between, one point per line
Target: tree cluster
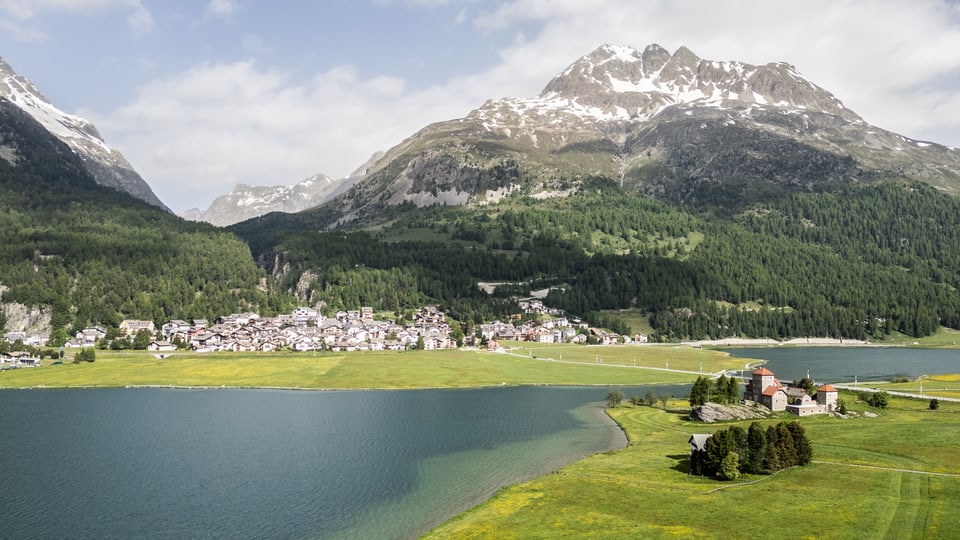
85 355
734 451
725 391
879 399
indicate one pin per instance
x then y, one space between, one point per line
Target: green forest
858 263
93 255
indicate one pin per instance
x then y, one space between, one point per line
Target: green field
415 369
644 491
932 386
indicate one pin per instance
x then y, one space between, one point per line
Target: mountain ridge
673 126
248 201
106 164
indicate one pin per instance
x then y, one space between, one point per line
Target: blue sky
202 95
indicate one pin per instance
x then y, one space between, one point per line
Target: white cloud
197 134
139 19
221 9
21 32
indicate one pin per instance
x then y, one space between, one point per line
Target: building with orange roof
764 388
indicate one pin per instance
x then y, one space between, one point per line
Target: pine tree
729 467
756 448
733 390
700 392
802 446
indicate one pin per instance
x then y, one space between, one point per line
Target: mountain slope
707 133
88 254
107 166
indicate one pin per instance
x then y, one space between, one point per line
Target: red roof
763 371
770 390
826 388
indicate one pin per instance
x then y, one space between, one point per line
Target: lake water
843 364
151 463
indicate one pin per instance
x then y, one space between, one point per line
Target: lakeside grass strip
374 370
643 491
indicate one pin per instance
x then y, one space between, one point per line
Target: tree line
734 451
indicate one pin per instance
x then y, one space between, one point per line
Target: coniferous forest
859 263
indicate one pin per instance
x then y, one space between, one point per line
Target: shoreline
794 342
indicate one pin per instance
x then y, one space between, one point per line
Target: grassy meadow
932 386
644 491
387 370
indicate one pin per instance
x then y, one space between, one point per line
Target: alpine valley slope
107 166
720 135
74 253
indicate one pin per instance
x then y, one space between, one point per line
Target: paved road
891 392
601 364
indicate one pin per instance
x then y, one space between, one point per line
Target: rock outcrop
709 413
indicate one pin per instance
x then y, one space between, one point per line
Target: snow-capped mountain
622 84
247 202
668 125
107 166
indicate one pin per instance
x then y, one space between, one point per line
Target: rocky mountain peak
107 166
654 57
620 85
673 126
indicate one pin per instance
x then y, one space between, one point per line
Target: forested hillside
93 255
858 263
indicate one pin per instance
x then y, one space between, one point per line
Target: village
306 329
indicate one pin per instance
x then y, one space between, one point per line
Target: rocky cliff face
107 166
668 125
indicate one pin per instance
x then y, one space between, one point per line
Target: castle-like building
766 389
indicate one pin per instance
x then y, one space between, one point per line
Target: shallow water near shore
152 463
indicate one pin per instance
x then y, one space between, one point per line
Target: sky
200 95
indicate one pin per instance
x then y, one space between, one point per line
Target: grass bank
388 370
643 491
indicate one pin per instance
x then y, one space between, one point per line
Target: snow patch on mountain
107 166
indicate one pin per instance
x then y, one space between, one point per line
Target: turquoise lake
153 463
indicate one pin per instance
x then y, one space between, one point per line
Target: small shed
698 441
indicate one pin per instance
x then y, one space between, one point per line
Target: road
891 392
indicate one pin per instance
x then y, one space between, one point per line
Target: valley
420 343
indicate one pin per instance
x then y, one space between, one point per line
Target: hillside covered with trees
92 255
859 263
